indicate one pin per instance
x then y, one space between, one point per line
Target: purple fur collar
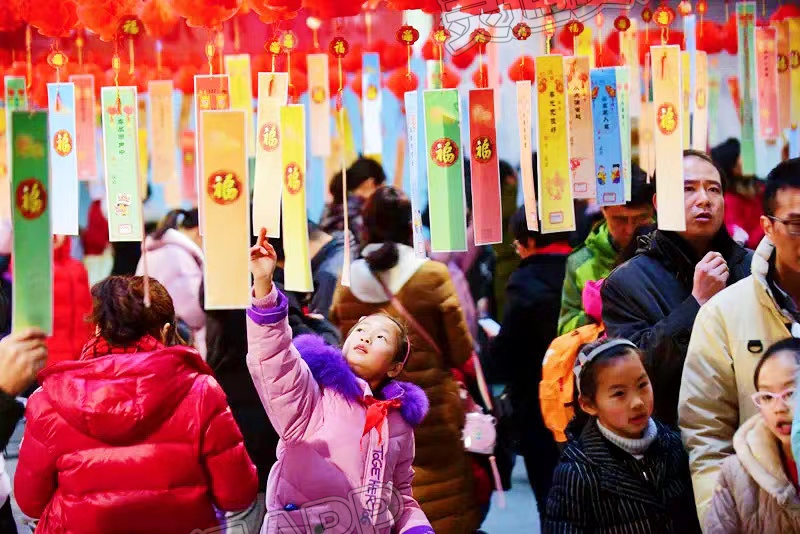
330 370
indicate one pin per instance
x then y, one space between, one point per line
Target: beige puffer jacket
753 495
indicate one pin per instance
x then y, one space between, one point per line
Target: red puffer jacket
133 440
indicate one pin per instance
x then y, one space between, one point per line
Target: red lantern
407 35
10 15
352 61
56 19
184 79
130 27
664 16
575 27
392 55
440 35
622 23
450 78
702 7
685 8
429 51
400 81
271 11
481 37
647 15
464 58
339 47
103 17
522 68
786 11
158 18
208 14
710 37
521 31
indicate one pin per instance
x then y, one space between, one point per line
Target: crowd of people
344 409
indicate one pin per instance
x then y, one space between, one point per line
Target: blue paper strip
607 139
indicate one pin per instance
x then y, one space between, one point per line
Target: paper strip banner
120 148
5 184
583 45
581 135
487 216
63 157
319 105
746 21
686 97
16 99
607 137
226 237
32 255
794 63
629 50
555 191
211 92
144 155
188 167
700 118
623 106
647 149
668 139
85 126
268 185
163 139
767 83
525 148
238 69
371 104
297 272
784 75
434 74
714 84
690 72
445 171
412 129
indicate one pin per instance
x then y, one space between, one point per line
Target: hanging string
79 45
441 63
28 60
115 65
340 109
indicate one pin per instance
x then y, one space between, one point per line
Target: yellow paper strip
700 120
319 104
211 92
794 45
163 140
226 236
629 50
241 84
526 162
297 272
784 75
583 45
555 191
268 184
669 117
581 136
686 93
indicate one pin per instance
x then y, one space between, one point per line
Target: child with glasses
757 489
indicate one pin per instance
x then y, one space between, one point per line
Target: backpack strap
408 317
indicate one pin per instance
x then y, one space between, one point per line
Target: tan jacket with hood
753 495
731 332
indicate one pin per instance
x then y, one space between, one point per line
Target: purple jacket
314 401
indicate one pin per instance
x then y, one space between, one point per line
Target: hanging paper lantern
407 35
333 9
647 15
481 37
521 31
575 27
11 15
605 57
289 41
450 78
521 69
685 8
158 18
356 84
710 37
183 79
702 7
392 55
430 51
130 28
731 36
208 14
400 82
481 76
440 35
103 17
786 11
339 47
463 59
271 11
298 84
352 61
56 19
664 15
622 23
57 59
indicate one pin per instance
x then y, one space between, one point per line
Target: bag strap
408 317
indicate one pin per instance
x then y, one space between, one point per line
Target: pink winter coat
316 404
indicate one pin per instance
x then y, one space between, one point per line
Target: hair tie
583 358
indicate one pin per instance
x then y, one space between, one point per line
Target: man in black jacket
653 298
529 325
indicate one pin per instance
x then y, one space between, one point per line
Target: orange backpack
556 390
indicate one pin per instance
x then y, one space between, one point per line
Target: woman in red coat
136 436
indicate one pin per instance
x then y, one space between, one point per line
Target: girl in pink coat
346 426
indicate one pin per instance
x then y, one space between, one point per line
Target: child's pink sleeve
413 519
284 382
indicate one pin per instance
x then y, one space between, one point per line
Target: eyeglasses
765 399
793 226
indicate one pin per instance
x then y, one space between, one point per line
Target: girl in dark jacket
625 473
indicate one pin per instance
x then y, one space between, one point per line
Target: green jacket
592 261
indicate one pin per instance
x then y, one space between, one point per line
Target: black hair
587 380
791 344
177 219
335 188
705 157
726 154
518 227
362 170
785 175
641 191
506 170
387 220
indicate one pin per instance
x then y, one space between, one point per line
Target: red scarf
377 411
99 346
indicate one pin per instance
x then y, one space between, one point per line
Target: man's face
624 221
786 222
703 200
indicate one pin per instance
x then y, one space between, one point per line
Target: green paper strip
623 101
746 27
32 252
445 171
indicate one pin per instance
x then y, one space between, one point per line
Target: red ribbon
377 410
